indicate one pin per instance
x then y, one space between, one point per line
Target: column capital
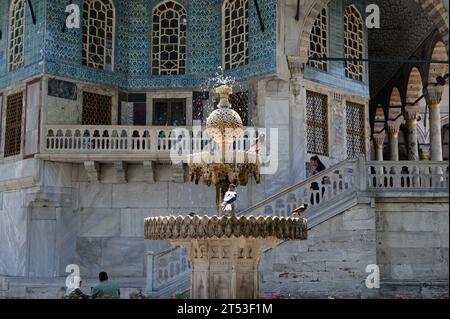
411 116
379 139
433 95
393 128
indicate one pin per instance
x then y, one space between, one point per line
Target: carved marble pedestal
225 268
225 251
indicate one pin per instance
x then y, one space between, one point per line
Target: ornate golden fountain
225 251
233 165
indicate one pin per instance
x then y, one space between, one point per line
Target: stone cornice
205 227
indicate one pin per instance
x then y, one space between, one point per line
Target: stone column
379 145
411 124
434 96
393 129
338 148
298 153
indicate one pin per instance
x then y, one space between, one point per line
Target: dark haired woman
318 166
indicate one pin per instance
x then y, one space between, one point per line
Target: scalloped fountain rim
214 227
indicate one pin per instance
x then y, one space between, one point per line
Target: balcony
103 144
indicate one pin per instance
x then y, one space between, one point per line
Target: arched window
318 42
98 34
16 35
169 39
354 43
235 33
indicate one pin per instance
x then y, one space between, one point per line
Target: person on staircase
318 167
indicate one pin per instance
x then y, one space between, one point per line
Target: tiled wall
335 77
132 69
34 39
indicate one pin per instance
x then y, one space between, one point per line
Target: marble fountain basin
225 251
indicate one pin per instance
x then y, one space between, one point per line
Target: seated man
105 289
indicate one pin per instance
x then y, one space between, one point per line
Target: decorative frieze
184 227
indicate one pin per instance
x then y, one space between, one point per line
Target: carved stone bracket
149 171
296 67
178 173
93 170
120 171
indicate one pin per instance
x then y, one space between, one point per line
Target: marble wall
413 240
14 227
331 262
110 217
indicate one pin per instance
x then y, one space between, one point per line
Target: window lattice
169 39
317 123
239 103
13 132
354 43
98 34
169 112
235 37
356 146
96 109
16 35
318 43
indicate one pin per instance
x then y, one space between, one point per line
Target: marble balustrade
154 142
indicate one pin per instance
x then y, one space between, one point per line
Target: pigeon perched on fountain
228 208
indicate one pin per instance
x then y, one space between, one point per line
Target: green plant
180 296
139 294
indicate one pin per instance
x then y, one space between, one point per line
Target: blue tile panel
34 43
335 77
61 54
132 68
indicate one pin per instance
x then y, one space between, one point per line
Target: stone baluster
393 128
411 124
379 145
433 96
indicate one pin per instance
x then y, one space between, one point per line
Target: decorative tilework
16 35
335 75
133 51
33 44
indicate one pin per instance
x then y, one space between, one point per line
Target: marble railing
313 192
337 184
168 272
152 142
392 176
